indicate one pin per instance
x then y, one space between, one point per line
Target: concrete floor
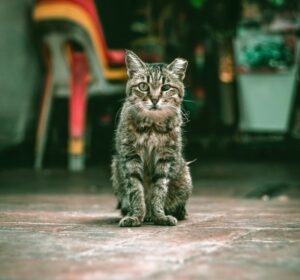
70 234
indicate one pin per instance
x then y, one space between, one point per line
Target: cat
150 178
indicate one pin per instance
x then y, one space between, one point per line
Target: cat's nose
154 100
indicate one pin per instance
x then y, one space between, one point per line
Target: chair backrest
83 14
90 8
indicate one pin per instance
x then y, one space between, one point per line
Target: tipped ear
178 67
133 63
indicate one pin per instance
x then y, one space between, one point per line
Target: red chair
95 69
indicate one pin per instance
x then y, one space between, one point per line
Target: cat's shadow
106 221
102 221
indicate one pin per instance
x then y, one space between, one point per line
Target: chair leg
43 121
77 111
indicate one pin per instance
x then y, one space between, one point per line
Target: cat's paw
166 221
180 213
171 221
130 221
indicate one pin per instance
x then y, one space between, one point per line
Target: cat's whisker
171 106
174 108
191 101
117 115
185 116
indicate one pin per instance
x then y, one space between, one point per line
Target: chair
70 73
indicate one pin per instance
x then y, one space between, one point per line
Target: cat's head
155 89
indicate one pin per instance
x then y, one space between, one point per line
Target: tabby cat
150 177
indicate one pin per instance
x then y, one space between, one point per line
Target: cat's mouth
154 108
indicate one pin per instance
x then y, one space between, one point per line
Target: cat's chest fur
149 145
150 142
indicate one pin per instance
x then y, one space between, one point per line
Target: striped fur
150 177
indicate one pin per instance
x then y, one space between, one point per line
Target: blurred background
62 81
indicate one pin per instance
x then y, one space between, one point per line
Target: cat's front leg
133 177
159 186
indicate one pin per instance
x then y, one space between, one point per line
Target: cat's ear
133 63
178 67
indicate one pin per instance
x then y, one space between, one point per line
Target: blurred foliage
197 3
269 53
276 4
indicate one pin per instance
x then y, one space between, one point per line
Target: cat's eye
165 87
143 87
